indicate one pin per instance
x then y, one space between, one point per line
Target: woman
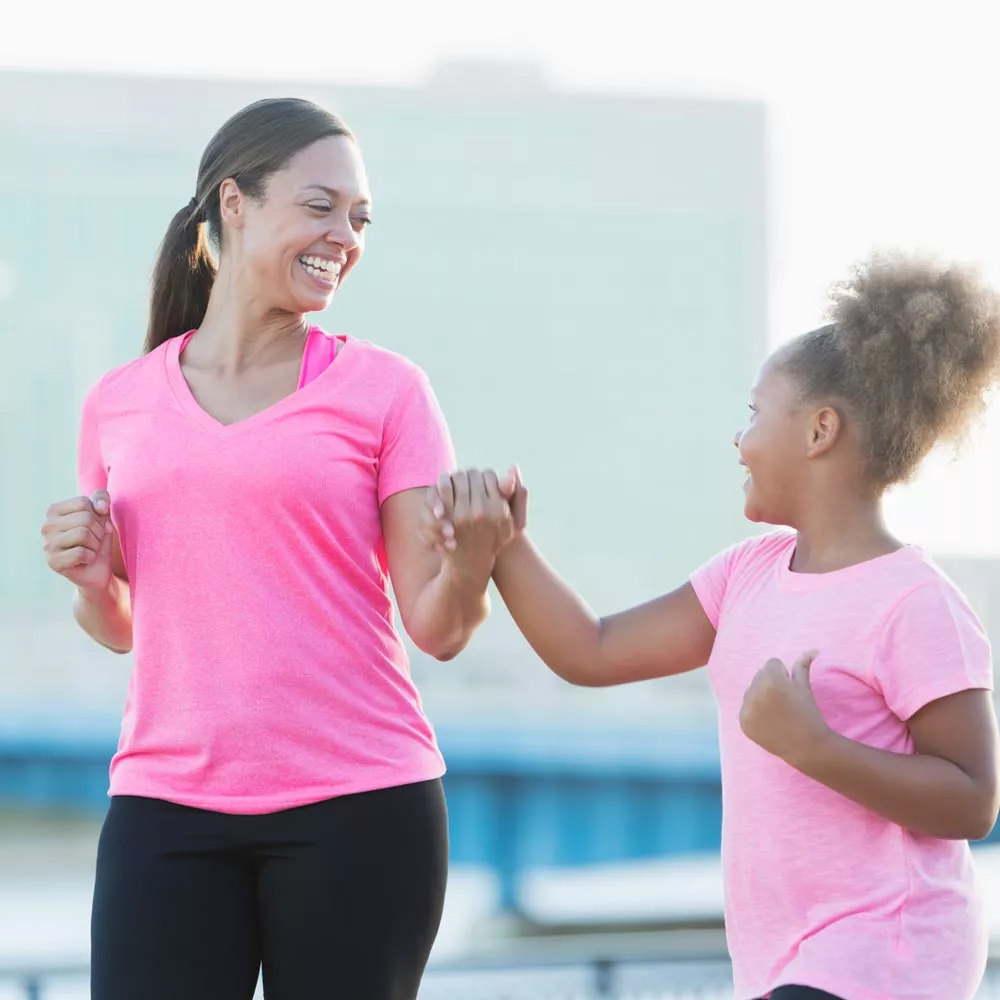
250 487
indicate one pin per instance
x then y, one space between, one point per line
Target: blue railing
518 797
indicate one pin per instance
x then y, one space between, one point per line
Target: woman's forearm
106 616
926 794
449 609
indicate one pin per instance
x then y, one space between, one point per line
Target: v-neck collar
187 402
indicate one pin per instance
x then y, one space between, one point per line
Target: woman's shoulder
126 377
388 364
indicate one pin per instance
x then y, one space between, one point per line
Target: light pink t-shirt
820 891
268 671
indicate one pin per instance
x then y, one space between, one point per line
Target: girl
853 681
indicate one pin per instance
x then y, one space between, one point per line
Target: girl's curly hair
911 350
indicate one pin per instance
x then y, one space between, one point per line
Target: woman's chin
312 303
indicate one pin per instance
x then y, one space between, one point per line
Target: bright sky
883 114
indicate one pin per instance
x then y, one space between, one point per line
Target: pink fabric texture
268 669
819 891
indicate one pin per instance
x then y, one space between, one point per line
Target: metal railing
699 978
32 978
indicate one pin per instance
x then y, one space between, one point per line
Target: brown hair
911 351
252 146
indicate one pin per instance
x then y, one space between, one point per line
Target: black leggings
801 993
341 899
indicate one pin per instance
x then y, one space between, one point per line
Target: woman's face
298 243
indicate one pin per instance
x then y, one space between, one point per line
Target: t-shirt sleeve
416 445
932 646
711 581
92 473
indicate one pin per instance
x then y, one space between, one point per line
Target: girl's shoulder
768 548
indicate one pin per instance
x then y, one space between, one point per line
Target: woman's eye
320 206
362 222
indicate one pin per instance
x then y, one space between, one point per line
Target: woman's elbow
439 645
443 652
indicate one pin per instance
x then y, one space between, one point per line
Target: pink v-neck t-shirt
268 671
820 891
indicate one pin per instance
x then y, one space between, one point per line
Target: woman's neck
239 331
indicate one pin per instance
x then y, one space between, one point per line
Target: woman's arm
441 592
106 615
81 544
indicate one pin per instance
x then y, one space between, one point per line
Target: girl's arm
668 635
946 789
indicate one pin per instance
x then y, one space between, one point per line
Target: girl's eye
320 206
362 223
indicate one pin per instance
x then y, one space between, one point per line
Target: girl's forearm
926 794
557 623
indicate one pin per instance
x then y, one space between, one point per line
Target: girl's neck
842 534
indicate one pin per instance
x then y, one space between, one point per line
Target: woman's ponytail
182 278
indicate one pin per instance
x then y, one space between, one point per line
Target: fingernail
448 529
439 510
451 545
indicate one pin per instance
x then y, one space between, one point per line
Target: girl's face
775 448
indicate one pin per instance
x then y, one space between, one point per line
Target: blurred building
583 277
979 579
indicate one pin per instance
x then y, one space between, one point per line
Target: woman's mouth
324 271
